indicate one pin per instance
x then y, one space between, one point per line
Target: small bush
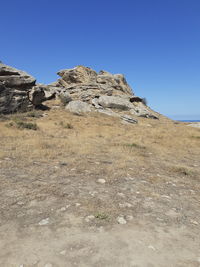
182 170
195 137
10 124
144 101
134 145
26 125
23 125
101 216
66 125
34 114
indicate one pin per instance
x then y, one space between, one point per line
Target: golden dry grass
157 146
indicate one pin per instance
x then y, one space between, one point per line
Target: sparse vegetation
66 125
3 117
195 137
23 125
101 216
151 172
182 170
144 101
34 114
134 145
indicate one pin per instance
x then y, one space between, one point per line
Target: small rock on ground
44 221
89 218
101 181
121 220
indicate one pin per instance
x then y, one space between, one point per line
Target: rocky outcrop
90 83
103 92
80 89
14 87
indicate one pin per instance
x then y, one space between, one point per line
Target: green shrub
134 145
101 216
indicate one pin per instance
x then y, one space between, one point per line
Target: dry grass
88 142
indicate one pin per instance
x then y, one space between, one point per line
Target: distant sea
189 120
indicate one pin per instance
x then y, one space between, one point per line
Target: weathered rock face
115 102
40 93
78 107
36 95
80 89
90 83
104 92
14 87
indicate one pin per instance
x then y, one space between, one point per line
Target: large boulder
78 107
77 75
115 102
37 95
14 87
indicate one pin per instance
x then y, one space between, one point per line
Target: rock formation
80 89
103 92
14 87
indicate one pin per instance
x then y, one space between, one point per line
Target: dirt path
60 217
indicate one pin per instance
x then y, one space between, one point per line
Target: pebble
121 220
48 265
125 205
194 222
159 219
44 221
89 218
20 203
151 247
165 196
92 193
64 208
77 204
120 194
63 252
101 229
173 214
129 179
101 181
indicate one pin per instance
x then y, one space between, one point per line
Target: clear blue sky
155 43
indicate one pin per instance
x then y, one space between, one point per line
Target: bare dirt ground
91 191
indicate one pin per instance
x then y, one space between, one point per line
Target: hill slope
92 191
